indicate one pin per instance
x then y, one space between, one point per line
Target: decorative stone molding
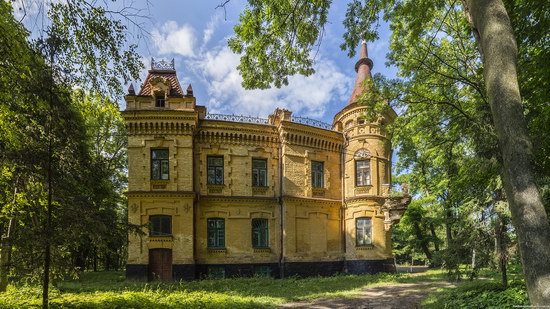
365 247
394 208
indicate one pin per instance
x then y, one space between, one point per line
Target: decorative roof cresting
162 65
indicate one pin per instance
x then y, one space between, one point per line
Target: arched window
363 231
362 167
362 173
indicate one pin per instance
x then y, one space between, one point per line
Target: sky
194 33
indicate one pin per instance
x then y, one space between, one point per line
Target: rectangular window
216 232
160 100
160 225
262 271
363 228
317 174
215 170
259 173
159 164
362 173
216 272
260 233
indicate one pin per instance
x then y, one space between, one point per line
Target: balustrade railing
312 122
260 120
237 118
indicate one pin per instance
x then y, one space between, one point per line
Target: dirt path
402 295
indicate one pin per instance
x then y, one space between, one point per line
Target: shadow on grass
109 289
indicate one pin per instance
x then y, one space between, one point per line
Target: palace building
221 195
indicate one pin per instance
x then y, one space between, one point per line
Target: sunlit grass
111 290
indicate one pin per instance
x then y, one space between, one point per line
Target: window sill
161 237
217 250
215 189
364 247
157 184
259 190
363 189
318 192
262 250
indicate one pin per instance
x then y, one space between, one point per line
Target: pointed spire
363 68
131 90
189 91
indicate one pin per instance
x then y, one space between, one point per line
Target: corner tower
369 212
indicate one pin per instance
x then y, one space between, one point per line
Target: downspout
196 198
281 208
344 204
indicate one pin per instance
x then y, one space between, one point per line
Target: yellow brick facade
311 229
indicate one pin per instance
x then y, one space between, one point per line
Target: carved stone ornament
362 154
134 207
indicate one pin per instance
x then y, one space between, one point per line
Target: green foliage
479 295
276 38
108 289
92 46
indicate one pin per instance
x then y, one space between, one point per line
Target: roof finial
131 90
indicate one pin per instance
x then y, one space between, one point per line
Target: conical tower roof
363 68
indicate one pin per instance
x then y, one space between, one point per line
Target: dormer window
160 100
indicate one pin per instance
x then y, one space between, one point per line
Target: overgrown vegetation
109 289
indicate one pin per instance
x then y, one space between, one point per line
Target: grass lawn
110 290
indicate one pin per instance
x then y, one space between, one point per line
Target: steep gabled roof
165 70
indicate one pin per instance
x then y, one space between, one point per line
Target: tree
82 45
277 25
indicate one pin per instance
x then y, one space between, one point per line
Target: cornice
160 194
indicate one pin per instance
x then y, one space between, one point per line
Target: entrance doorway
160 264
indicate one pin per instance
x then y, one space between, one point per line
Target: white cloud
305 96
174 39
210 28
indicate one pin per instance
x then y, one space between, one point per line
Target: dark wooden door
160 264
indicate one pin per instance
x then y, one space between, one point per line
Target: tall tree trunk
501 248
5 255
491 25
423 241
434 237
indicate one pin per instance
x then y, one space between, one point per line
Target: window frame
160 97
260 230
160 233
161 161
215 168
368 178
363 230
219 240
259 170
317 174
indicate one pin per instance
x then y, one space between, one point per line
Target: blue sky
195 34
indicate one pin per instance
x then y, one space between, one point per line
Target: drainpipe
344 204
196 198
281 208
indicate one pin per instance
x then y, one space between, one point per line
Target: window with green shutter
260 233
216 232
